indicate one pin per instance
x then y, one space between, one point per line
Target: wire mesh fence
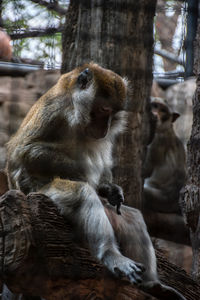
36 34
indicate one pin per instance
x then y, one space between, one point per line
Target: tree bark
118 35
190 197
40 257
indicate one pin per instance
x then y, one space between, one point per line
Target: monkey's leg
79 203
134 240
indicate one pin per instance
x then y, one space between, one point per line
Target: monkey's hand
113 193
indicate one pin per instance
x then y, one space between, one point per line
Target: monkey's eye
154 105
84 77
164 110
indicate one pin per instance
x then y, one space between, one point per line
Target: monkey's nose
105 110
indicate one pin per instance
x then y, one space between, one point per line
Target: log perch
39 257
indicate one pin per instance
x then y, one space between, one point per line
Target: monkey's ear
84 77
175 116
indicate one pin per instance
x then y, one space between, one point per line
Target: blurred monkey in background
165 165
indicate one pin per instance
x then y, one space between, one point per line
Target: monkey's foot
122 266
156 288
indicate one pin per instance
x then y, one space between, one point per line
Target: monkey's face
102 95
164 116
160 111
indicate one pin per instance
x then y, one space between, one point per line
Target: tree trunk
118 35
190 197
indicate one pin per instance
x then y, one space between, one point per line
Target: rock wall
17 95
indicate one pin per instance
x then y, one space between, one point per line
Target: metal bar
192 19
170 56
9 68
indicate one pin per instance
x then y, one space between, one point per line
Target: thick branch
52 6
39 256
36 33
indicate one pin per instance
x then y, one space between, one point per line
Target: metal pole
192 18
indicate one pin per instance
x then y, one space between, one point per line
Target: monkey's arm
40 160
111 191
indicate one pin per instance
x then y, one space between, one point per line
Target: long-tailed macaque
64 150
165 166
